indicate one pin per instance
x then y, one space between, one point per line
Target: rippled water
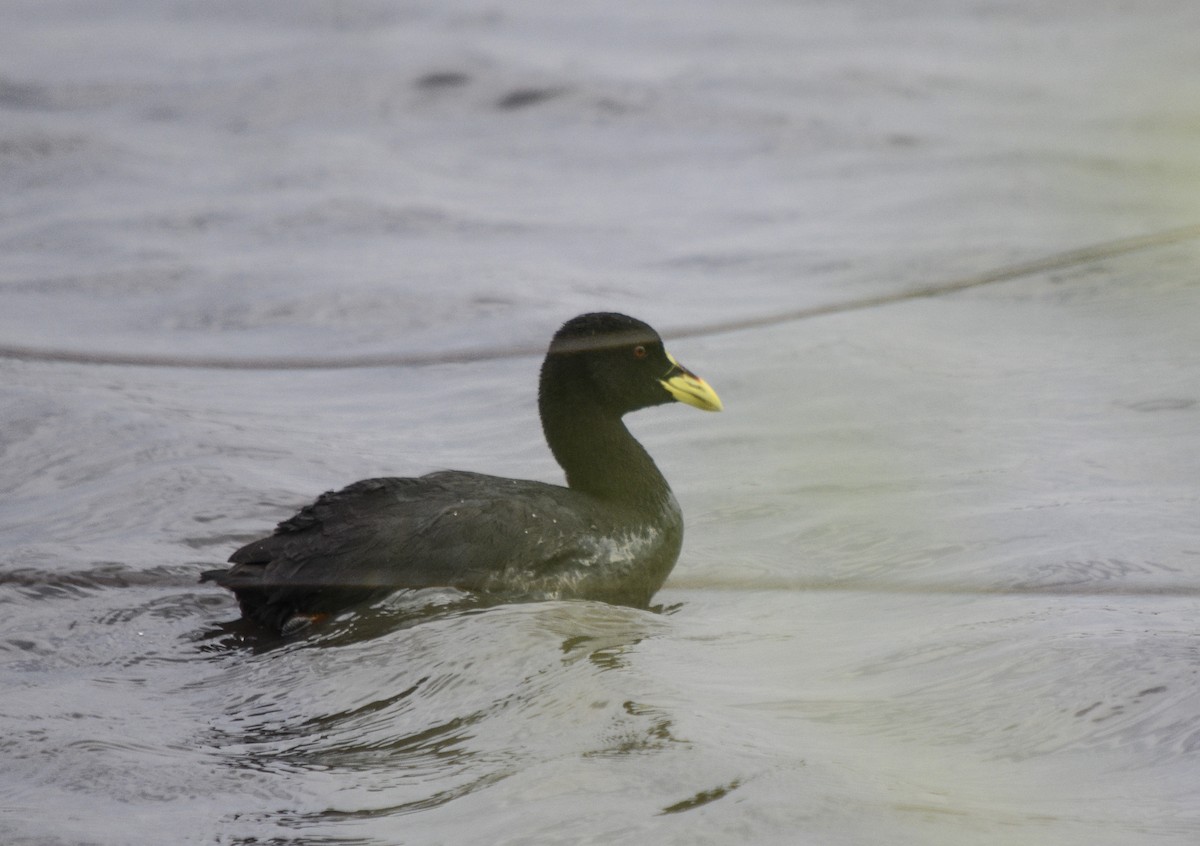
942 567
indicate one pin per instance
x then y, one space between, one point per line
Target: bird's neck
600 457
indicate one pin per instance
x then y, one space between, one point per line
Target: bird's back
476 532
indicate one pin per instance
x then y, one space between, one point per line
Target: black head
620 364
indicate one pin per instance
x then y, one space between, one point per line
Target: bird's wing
446 529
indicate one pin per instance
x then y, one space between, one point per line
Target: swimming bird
612 534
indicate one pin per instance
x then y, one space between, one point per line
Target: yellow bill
687 387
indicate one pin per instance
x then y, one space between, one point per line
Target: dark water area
941 569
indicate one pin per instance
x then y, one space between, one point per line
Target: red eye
639 351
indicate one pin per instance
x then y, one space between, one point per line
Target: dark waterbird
612 534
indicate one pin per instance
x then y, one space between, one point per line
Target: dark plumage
613 534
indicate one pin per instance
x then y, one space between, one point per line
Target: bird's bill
687 387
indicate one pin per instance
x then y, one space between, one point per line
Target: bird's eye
639 351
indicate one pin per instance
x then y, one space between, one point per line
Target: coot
612 534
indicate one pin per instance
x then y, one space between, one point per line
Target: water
942 564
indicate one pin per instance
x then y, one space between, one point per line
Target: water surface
942 564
